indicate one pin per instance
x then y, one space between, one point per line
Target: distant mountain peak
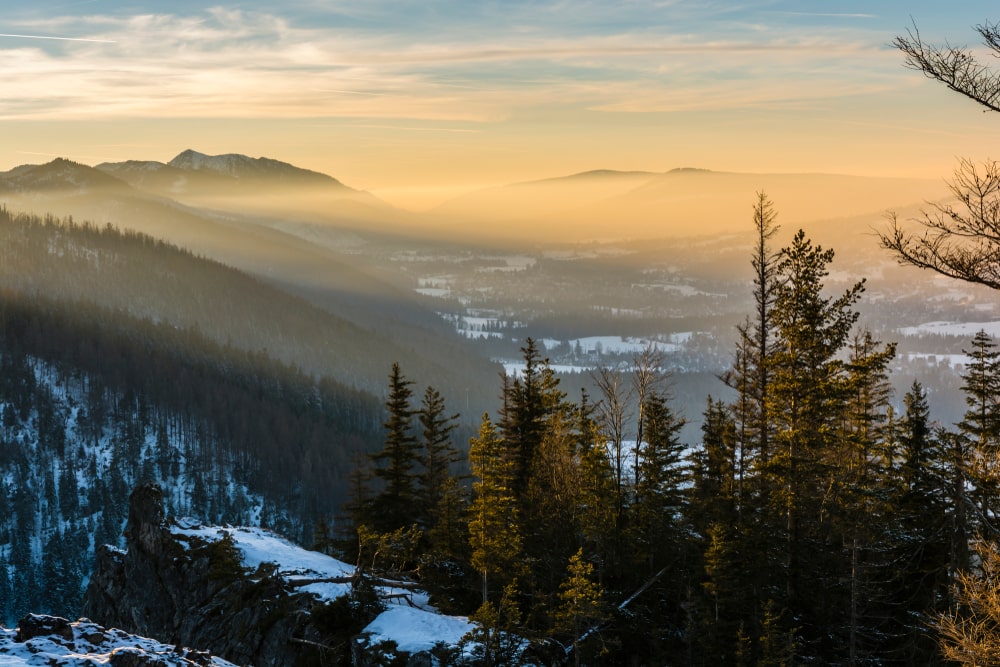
243 167
58 174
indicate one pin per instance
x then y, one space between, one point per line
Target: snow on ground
416 630
953 360
966 329
413 628
620 344
436 292
517 367
512 264
257 546
86 643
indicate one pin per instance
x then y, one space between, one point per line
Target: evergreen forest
813 523
95 399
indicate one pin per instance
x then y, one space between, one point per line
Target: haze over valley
595 266
499 334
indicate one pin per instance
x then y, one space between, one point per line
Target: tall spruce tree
751 373
658 535
659 506
859 491
581 608
981 425
437 455
523 417
807 399
395 505
494 533
919 536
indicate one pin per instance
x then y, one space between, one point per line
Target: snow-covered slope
408 619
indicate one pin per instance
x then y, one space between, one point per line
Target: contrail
63 39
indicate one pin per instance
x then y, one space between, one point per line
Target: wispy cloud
61 39
835 15
229 63
406 128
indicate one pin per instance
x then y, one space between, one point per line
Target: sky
420 100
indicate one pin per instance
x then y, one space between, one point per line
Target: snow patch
416 630
967 329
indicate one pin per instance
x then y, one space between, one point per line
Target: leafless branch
956 67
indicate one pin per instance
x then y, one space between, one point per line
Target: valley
205 325
492 268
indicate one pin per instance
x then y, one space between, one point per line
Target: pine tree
725 593
494 640
659 504
528 400
860 483
494 535
658 536
395 505
751 374
981 425
808 395
596 497
919 536
437 455
581 608
552 507
715 489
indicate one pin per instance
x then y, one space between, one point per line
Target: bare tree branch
959 239
956 67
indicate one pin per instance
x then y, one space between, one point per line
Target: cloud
227 63
837 15
64 39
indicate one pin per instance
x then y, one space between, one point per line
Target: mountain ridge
608 205
60 174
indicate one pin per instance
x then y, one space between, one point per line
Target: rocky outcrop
196 592
51 641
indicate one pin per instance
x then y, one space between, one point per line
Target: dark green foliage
437 456
225 565
981 424
657 512
395 506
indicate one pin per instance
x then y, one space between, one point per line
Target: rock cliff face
195 592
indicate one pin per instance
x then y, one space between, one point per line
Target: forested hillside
95 399
150 278
331 312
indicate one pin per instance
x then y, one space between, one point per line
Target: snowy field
965 329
